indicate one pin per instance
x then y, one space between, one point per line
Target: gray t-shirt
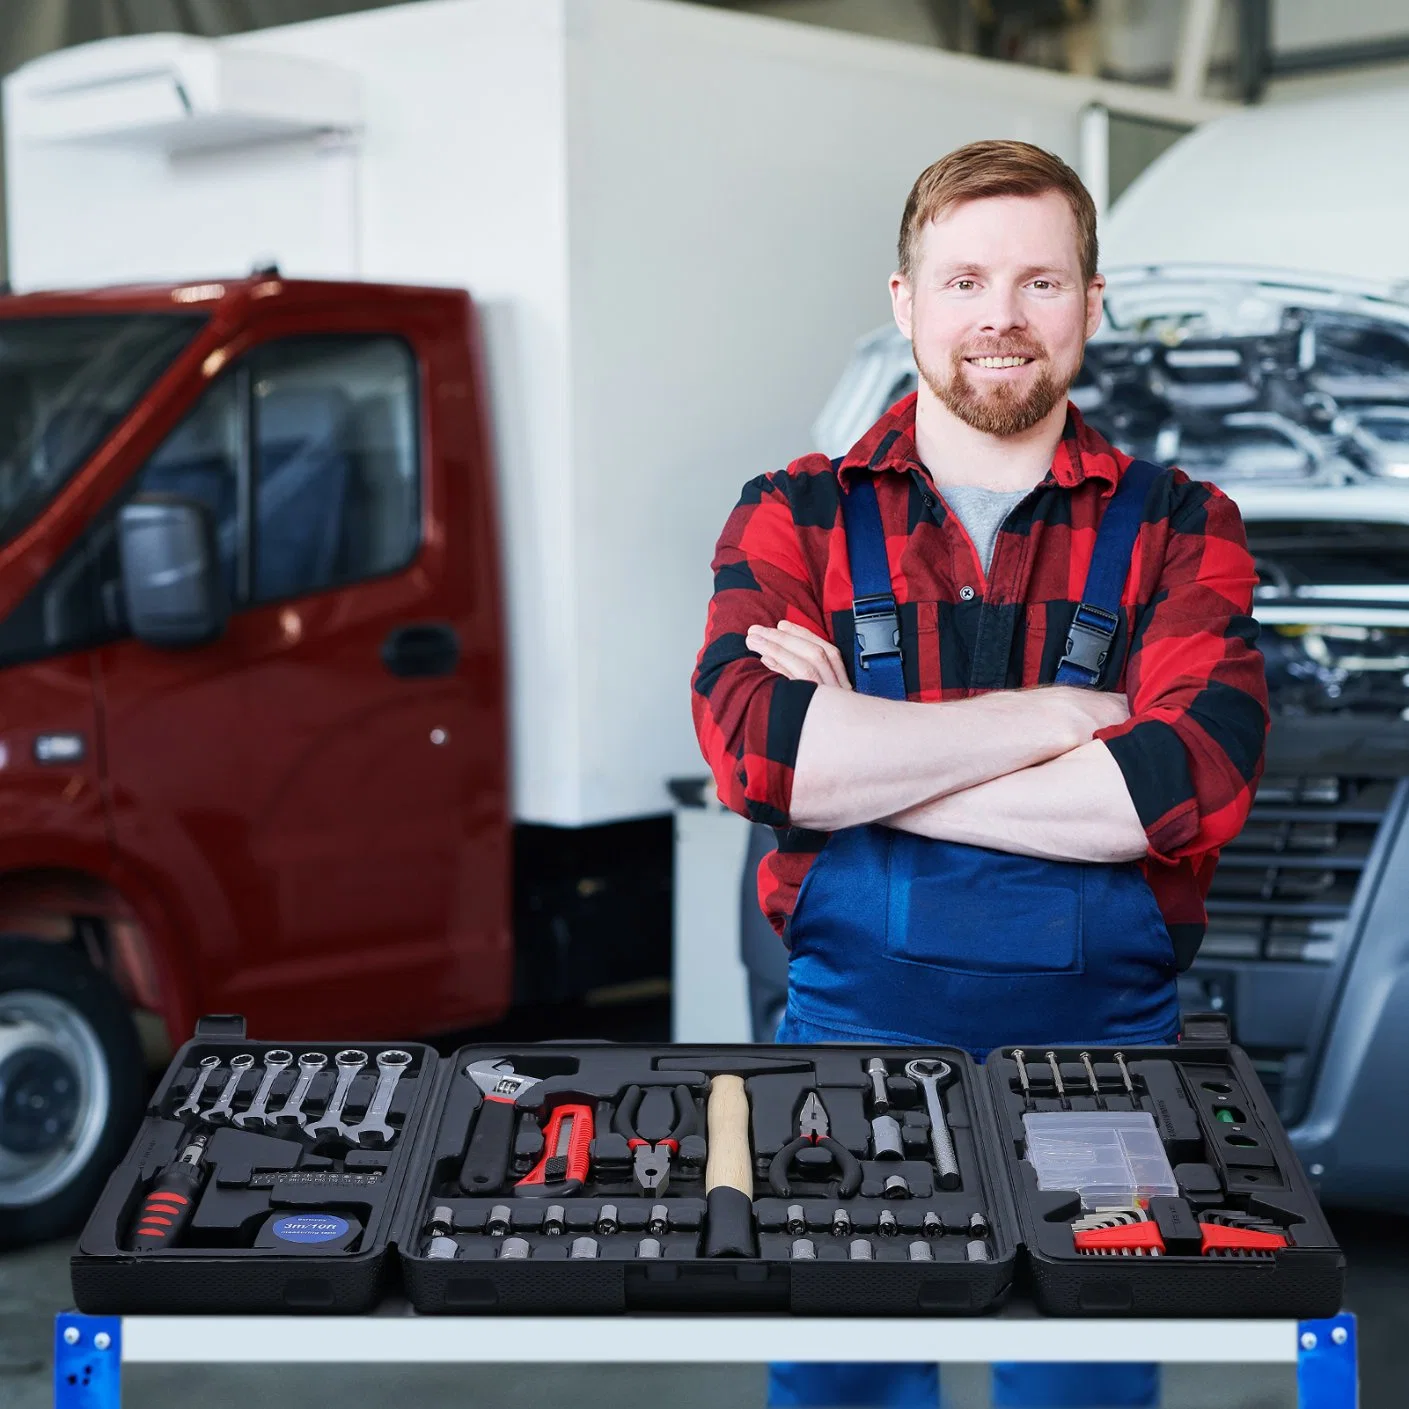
982 512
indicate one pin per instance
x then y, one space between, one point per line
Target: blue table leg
1326 1376
87 1361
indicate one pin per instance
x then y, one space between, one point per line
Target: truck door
322 765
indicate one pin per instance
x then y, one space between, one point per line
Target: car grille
1284 887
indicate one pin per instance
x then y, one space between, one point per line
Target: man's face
997 311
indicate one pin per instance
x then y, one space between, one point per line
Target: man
1007 859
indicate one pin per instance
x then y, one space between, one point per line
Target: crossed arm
1016 771
1166 772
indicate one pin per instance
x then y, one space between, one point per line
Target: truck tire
73 1084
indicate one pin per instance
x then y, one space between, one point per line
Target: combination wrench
349 1062
276 1063
373 1126
192 1104
309 1065
933 1074
221 1110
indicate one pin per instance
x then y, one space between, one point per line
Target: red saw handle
558 1173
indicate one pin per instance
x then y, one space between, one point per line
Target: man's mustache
1003 350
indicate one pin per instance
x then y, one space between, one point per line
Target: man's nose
1001 311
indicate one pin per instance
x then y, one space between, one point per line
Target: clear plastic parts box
1111 1158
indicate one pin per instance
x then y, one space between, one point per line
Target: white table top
1014 1334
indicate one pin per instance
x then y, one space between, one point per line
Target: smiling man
995 685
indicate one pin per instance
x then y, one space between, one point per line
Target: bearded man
994 684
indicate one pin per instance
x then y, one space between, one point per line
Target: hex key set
570 1178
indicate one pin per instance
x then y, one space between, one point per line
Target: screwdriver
168 1207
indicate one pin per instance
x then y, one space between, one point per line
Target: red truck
252 720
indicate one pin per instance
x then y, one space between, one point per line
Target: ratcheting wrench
192 1104
221 1110
349 1062
492 1143
373 1126
275 1064
309 1065
932 1074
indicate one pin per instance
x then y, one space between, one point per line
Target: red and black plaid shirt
1192 750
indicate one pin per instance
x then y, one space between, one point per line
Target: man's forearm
1073 808
861 759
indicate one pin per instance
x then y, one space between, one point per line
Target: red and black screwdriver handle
171 1200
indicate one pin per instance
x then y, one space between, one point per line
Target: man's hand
799 654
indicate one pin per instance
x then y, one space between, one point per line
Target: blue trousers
1032 1385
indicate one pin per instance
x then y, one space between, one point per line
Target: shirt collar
1082 454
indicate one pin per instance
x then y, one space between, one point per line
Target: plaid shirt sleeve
1192 750
748 720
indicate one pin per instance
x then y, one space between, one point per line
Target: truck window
335 463
65 384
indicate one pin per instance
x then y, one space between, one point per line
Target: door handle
420 651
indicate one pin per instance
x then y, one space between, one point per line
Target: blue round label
310 1227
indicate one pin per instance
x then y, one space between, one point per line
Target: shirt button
966 594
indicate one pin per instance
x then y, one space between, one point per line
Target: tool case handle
1212 1028
221 1025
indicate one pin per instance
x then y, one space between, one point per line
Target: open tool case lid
1226 1148
292 1275
480 1279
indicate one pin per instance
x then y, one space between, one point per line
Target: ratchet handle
491 1145
167 1209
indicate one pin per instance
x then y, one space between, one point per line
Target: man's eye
1042 283
964 284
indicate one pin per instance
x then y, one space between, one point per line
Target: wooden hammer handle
730 1164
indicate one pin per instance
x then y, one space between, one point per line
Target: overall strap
877 659
1094 625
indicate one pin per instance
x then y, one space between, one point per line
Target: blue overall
900 939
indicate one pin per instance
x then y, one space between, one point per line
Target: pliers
651 1158
813 1130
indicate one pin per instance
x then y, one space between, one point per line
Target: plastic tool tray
281 1212
580 1178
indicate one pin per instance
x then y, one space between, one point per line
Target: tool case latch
1206 1027
221 1025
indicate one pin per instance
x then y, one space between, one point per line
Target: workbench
89 1351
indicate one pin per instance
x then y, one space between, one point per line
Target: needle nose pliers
651 1158
814 1130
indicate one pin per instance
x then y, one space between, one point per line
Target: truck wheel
72 1087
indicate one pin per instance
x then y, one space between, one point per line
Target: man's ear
1095 306
902 304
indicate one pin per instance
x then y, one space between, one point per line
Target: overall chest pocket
971 910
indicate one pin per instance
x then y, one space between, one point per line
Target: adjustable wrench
373 1126
349 1062
192 1104
492 1143
932 1074
275 1064
220 1111
309 1065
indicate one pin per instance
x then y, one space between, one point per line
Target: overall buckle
1089 639
877 628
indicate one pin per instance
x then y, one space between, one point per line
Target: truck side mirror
171 582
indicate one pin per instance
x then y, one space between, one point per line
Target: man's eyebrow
955 271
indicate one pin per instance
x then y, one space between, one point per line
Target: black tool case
330 1193
477 1200
1232 1164
764 1276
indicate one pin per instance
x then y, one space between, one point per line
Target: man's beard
1001 410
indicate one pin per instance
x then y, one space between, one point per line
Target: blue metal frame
1326 1376
88 1362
